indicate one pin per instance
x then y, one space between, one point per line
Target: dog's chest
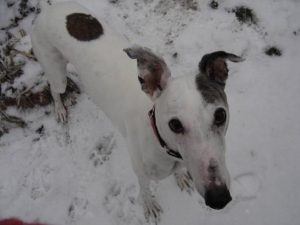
158 172
157 164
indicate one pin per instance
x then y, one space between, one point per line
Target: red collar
161 141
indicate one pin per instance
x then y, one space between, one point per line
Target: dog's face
192 117
196 127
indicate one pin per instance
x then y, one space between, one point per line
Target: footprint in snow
103 150
38 182
77 208
245 186
120 202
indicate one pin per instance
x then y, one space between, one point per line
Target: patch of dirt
29 99
23 8
273 51
8 122
296 32
245 15
18 94
175 55
214 4
164 6
9 70
113 1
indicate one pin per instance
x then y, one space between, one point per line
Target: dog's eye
176 126
220 117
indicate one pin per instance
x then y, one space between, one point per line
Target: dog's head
192 117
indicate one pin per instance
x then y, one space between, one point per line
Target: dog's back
68 32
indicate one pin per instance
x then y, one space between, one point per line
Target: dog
177 126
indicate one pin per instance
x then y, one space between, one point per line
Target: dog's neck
161 141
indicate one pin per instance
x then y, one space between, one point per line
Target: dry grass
10 70
29 99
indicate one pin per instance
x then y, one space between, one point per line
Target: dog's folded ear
214 65
153 71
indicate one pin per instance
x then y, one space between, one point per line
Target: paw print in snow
77 208
246 186
39 182
103 150
120 203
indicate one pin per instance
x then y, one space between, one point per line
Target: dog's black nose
217 197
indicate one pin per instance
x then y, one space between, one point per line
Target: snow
81 173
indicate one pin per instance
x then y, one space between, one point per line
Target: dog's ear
153 71
214 65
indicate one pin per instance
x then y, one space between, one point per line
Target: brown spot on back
83 27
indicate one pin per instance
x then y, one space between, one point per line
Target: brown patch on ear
83 27
213 75
214 65
217 70
152 77
153 71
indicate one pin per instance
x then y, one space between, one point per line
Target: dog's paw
184 181
152 210
60 113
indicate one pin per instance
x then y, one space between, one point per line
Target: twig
12 119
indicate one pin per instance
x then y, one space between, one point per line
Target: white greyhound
176 126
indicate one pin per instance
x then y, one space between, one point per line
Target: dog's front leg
152 209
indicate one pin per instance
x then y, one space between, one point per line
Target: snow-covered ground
81 174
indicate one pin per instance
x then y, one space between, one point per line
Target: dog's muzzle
217 197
